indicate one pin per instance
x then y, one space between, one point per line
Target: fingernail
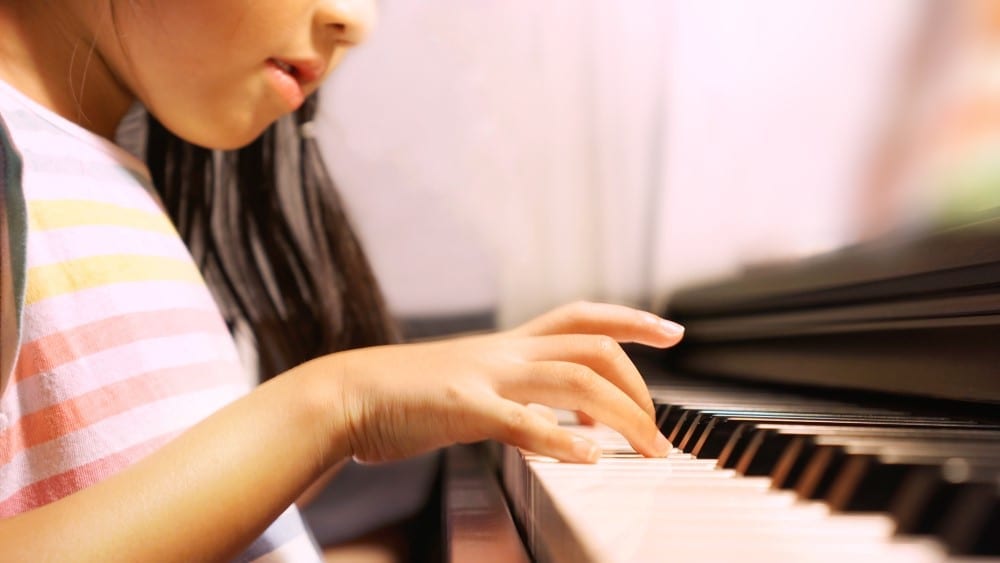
661 445
585 451
671 327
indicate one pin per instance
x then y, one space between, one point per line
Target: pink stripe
58 486
48 353
79 412
110 366
65 312
60 245
114 434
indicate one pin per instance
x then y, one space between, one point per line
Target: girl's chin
221 137
232 143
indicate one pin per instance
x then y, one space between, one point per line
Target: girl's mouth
288 68
286 80
306 70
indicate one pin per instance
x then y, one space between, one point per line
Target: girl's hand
398 401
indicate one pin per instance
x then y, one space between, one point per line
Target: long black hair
271 236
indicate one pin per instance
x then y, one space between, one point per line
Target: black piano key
790 463
681 426
928 493
820 472
669 419
694 431
749 450
733 449
970 525
988 542
922 499
762 454
714 438
864 484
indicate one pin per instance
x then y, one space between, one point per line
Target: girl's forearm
206 495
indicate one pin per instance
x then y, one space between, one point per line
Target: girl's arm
212 491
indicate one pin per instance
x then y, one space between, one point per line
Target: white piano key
629 508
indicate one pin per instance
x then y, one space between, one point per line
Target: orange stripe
79 412
49 352
64 484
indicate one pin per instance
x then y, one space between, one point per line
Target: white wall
525 153
774 111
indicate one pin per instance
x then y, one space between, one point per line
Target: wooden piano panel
478 527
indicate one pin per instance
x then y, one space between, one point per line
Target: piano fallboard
913 314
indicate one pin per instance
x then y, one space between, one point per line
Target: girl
125 433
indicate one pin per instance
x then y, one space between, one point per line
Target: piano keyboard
756 476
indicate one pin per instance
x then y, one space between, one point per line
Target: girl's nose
349 20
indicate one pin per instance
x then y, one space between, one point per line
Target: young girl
125 430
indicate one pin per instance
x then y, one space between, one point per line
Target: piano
845 407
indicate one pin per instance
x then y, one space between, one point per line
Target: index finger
624 324
601 354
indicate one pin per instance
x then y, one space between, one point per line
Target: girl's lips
282 78
306 71
311 71
293 77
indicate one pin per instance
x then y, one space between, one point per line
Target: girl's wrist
315 392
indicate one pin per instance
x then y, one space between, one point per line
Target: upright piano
841 408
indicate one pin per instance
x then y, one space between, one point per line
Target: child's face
216 72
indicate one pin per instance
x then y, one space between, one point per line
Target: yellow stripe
83 273
57 214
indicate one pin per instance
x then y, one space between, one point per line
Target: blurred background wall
513 155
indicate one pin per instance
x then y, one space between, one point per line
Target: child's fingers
601 354
546 412
573 386
518 425
624 324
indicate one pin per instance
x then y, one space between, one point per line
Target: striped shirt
121 346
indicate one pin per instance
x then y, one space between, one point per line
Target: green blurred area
971 187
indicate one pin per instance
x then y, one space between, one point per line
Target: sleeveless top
112 344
